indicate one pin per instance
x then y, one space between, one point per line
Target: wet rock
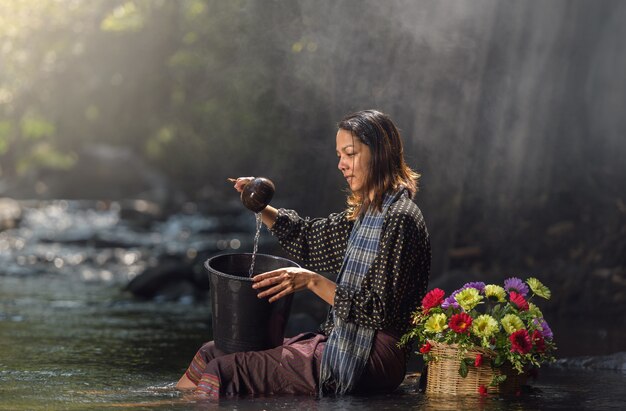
10 213
169 280
615 362
140 213
183 291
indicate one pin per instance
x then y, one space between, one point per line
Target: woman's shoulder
339 216
405 211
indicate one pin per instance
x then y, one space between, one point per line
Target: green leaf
499 360
496 311
497 380
463 369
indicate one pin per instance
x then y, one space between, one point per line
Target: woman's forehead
346 139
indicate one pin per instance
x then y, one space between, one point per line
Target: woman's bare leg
185 383
203 356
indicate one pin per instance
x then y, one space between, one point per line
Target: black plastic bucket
241 320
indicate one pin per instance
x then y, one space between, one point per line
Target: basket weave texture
444 378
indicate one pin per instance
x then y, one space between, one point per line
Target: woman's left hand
282 282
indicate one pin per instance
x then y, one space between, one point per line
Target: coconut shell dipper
257 194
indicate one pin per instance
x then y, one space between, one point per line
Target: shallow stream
71 339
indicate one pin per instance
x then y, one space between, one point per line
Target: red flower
434 298
460 323
538 341
425 349
520 342
482 390
479 360
519 301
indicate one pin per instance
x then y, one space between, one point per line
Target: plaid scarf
348 346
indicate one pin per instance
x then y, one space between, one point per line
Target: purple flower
479 285
544 328
517 285
451 301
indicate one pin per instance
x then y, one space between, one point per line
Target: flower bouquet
482 338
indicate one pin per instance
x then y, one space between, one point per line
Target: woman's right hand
240 182
269 213
283 281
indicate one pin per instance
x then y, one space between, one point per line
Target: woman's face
354 159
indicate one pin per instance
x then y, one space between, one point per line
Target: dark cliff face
512 112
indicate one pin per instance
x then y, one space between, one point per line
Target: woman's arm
268 215
285 281
318 243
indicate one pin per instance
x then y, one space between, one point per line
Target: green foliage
125 17
35 128
44 154
182 83
5 135
497 380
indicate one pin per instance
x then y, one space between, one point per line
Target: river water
70 338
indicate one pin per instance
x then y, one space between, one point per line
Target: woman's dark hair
388 169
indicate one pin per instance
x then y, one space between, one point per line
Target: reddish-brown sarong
292 368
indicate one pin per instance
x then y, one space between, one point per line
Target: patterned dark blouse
397 279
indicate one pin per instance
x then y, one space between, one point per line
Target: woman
380 250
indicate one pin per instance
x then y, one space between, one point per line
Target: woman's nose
342 164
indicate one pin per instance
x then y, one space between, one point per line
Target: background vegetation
512 111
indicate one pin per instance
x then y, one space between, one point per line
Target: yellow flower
468 298
484 326
496 292
512 323
436 324
538 288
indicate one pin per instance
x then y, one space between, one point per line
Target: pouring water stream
259 223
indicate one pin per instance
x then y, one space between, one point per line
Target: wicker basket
444 378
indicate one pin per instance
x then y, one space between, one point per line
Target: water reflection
77 345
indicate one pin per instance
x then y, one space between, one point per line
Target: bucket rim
246 279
